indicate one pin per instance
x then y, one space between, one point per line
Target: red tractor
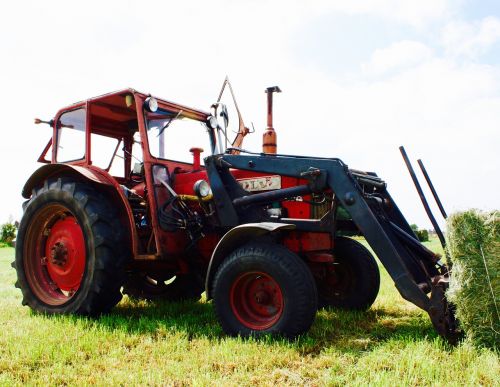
119 209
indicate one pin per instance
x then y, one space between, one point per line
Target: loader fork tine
431 187
422 198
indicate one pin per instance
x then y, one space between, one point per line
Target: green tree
8 232
422 235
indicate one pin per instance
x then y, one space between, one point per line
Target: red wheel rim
256 300
54 255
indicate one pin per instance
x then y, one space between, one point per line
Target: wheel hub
59 254
256 300
55 254
262 297
65 249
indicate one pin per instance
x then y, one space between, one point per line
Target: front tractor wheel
264 288
69 252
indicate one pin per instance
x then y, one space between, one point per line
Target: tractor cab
149 149
116 131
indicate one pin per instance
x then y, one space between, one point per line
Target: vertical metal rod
269 109
422 197
269 138
161 145
431 186
270 91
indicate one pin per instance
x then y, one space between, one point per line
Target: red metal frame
42 158
54 132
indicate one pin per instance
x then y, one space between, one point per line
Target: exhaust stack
269 141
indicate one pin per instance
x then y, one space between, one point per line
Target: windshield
171 136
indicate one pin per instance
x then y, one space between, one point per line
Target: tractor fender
49 170
235 237
90 173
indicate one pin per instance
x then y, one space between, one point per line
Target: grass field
182 344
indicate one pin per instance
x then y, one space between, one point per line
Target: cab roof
116 98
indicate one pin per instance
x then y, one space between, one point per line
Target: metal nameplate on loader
263 183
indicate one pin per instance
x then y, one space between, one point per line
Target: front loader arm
413 268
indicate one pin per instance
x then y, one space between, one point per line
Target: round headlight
151 104
202 189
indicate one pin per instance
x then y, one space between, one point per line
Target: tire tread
110 248
295 271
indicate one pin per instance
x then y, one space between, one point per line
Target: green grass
182 344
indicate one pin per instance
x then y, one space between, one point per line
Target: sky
359 79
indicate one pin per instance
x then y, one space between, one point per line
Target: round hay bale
474 247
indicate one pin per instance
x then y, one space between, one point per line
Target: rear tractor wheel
70 253
264 288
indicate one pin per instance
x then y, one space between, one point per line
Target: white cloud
415 13
399 55
470 39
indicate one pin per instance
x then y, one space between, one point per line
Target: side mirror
222 121
220 111
224 115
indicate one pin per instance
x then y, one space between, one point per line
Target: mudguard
93 174
235 237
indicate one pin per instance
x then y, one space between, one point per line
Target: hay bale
473 240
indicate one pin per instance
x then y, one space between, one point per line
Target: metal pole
431 186
422 197
269 138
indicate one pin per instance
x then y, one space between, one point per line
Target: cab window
70 138
171 137
103 150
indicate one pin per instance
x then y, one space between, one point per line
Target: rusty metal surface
442 313
269 138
